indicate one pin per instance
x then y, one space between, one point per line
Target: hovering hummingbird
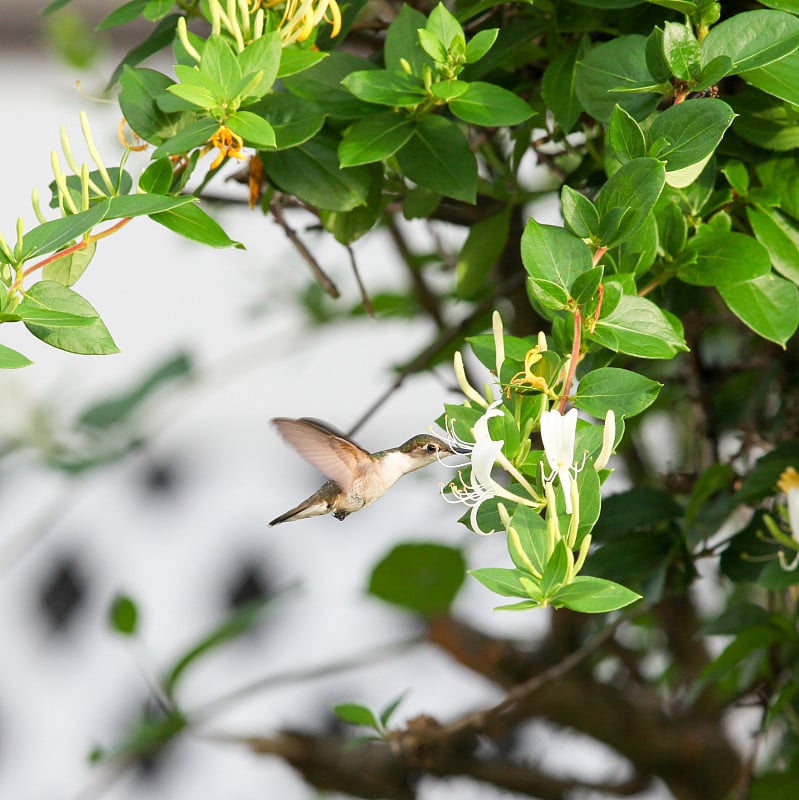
357 478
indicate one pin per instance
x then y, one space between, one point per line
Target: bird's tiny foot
340 514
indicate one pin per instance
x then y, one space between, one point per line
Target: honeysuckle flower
228 143
557 433
499 341
300 17
526 378
484 454
789 485
608 439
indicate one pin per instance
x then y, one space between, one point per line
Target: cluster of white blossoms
485 454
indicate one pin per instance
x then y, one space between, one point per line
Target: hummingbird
357 477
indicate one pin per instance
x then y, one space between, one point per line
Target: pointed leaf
594 595
769 305
375 138
752 39
438 157
93 339
625 392
11 359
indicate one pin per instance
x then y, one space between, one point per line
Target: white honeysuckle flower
499 341
557 433
484 453
608 439
789 484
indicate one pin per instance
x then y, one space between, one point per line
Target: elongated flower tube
608 439
557 433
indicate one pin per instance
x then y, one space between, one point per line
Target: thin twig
365 299
321 276
223 702
422 360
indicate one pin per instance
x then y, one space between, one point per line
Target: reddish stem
72 249
578 330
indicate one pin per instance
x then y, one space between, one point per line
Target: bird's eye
431 448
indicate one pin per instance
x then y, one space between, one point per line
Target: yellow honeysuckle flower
526 378
300 17
228 143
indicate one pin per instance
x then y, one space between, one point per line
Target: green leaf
263 55
293 119
553 254
672 228
692 131
420 577
11 359
753 640
54 234
192 222
769 305
122 15
555 570
625 136
609 71
68 269
500 581
720 258
295 59
448 90
157 178
402 42
124 615
138 103
160 37
31 312
639 328
778 78
627 393
385 88
117 409
323 84
255 131
375 138
490 106
633 510
480 253
632 191
442 24
388 711
139 205
682 51
218 64
92 339
533 540
480 44
752 39
780 236
586 285
655 59
558 84
354 714
240 622
438 157
193 135
311 172
589 595
579 213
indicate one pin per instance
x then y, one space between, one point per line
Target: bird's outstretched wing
324 448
